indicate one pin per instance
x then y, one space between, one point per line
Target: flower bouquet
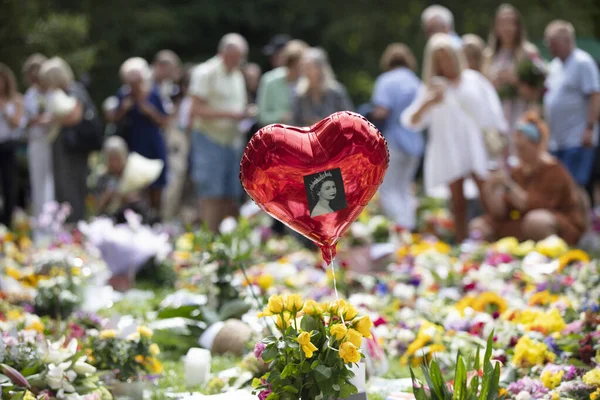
53 370
130 358
470 382
312 354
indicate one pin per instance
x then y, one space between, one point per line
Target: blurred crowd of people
522 129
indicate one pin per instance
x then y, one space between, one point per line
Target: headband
530 130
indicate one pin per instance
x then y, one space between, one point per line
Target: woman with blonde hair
318 93
395 89
535 199
142 108
456 104
507 47
11 118
474 47
68 103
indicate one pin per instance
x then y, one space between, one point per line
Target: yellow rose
145 331
108 334
154 349
349 312
349 353
307 347
265 281
283 324
339 331
275 305
337 305
363 325
354 337
294 302
311 307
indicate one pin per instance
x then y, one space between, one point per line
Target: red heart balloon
316 180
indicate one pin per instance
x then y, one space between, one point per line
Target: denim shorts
215 168
579 161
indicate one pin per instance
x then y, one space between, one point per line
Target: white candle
197 367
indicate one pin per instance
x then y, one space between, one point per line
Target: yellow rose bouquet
312 357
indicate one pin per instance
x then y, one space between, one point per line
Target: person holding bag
76 130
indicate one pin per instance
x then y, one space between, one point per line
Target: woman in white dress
39 151
456 104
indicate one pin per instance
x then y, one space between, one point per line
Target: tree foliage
100 35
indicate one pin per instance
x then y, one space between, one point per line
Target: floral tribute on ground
311 354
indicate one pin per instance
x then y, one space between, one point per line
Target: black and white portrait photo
325 192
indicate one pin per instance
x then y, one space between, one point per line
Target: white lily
59 377
83 368
56 353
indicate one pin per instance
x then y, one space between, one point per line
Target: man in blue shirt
394 91
572 101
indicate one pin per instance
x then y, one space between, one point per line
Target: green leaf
290 389
309 323
289 370
234 309
270 353
273 396
493 393
460 380
438 379
474 387
477 362
322 373
179 312
347 389
418 390
306 368
430 384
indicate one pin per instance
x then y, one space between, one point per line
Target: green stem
258 302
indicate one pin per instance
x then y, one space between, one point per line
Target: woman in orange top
536 199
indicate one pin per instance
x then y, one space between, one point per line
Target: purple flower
570 374
551 343
258 350
535 388
264 394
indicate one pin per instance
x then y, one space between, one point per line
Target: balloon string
337 297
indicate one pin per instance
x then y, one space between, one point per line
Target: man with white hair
218 93
572 101
438 19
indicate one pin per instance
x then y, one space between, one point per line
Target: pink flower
264 394
258 350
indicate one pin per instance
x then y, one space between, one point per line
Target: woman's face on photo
506 27
328 191
445 64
